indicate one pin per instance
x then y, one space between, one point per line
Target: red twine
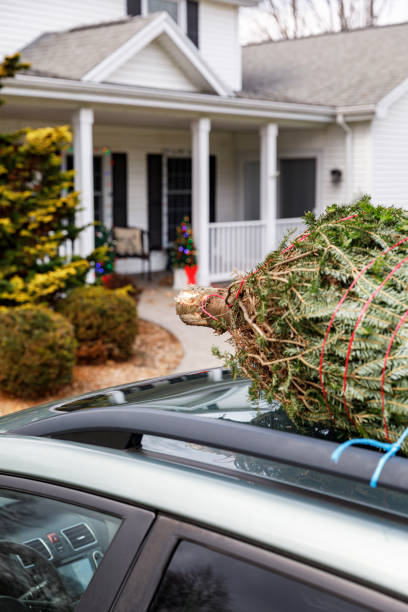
399 324
341 302
360 316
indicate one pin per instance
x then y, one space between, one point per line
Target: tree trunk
198 306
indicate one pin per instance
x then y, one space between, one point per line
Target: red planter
191 272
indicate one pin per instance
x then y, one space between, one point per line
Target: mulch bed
156 353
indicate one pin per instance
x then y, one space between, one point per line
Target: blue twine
391 449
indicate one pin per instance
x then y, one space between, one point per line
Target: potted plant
183 256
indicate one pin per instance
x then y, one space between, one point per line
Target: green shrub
105 323
118 281
37 351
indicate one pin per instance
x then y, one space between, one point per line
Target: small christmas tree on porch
183 254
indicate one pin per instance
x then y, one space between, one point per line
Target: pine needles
312 327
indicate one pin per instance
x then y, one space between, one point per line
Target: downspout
349 156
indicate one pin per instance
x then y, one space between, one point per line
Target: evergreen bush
105 323
37 214
37 351
123 281
37 211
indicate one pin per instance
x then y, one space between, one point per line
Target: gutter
349 155
103 93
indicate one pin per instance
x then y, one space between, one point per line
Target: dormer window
185 13
171 7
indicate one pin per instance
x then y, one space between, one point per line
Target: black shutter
192 21
213 185
70 162
119 189
134 7
154 194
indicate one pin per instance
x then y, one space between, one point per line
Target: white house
172 117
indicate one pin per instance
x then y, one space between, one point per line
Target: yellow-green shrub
105 322
37 351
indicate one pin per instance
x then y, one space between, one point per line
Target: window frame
167 532
105 585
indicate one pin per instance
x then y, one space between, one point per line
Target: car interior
49 551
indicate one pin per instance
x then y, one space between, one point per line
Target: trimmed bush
105 323
119 281
37 351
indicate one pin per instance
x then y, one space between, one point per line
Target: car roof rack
357 463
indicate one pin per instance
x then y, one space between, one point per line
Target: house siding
24 20
390 156
153 67
219 41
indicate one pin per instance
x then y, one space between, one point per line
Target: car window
201 580
49 551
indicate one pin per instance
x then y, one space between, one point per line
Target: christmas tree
184 253
322 324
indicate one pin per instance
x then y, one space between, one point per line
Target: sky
397 11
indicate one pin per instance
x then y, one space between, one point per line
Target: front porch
149 168
152 177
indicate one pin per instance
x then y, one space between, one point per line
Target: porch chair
133 242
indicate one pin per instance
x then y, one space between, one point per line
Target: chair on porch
133 242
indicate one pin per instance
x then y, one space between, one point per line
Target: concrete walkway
157 305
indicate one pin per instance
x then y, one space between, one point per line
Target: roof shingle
358 67
73 53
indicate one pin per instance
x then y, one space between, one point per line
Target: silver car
180 494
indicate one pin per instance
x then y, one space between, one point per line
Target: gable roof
72 53
353 68
92 53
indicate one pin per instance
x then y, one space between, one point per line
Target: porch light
336 176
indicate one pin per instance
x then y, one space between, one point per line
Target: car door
64 550
185 568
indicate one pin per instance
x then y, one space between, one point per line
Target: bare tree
286 19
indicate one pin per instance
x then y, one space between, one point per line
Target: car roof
194 410
345 539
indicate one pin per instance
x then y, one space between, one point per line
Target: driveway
157 305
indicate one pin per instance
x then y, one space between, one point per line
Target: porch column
200 131
83 164
268 183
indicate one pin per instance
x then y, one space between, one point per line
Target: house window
169 6
134 7
297 187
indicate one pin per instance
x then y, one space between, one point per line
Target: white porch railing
283 226
235 245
